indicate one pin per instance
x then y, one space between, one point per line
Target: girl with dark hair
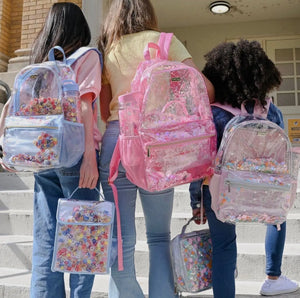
240 72
129 26
66 26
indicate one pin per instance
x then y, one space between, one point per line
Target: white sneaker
282 285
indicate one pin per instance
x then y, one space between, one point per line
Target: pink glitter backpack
254 178
167 135
43 129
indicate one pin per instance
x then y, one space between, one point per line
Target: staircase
16 193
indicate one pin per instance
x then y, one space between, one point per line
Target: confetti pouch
83 239
192 260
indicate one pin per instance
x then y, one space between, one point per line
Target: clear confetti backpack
83 238
43 129
192 260
167 134
254 179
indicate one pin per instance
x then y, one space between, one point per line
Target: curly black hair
241 72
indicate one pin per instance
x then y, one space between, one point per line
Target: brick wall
5 12
20 21
15 26
34 13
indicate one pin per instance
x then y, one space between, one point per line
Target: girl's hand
89 173
197 213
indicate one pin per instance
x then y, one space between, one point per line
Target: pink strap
164 43
259 110
228 108
151 45
113 174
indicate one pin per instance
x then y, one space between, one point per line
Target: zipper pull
228 185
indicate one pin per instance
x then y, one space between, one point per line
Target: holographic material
83 237
254 179
192 261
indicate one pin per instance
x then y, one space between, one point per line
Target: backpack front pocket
261 198
179 161
33 143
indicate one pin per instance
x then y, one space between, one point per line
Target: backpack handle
162 47
51 56
151 45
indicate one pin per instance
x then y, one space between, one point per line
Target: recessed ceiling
184 13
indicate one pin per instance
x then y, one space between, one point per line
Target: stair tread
21 278
141 245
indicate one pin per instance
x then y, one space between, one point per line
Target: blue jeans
274 246
223 236
49 186
157 208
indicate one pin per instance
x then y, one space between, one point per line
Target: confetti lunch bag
192 260
83 238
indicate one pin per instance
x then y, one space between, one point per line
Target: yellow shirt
122 61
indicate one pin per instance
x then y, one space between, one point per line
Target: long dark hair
126 17
65 26
241 72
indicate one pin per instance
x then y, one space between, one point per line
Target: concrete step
15 283
20 222
16 181
15 252
21 199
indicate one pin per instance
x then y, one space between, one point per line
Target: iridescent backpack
167 135
254 180
43 129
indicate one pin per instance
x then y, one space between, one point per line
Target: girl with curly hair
240 72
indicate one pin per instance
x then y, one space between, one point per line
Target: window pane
286 69
284 54
288 84
298 69
286 99
297 54
298 84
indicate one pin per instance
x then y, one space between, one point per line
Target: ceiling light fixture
219 7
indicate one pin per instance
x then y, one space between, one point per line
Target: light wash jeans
48 188
157 209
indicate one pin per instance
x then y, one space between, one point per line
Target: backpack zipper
43 127
177 142
253 185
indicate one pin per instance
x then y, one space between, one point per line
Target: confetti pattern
83 237
192 261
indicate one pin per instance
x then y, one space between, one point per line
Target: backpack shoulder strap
80 52
228 108
259 110
164 43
